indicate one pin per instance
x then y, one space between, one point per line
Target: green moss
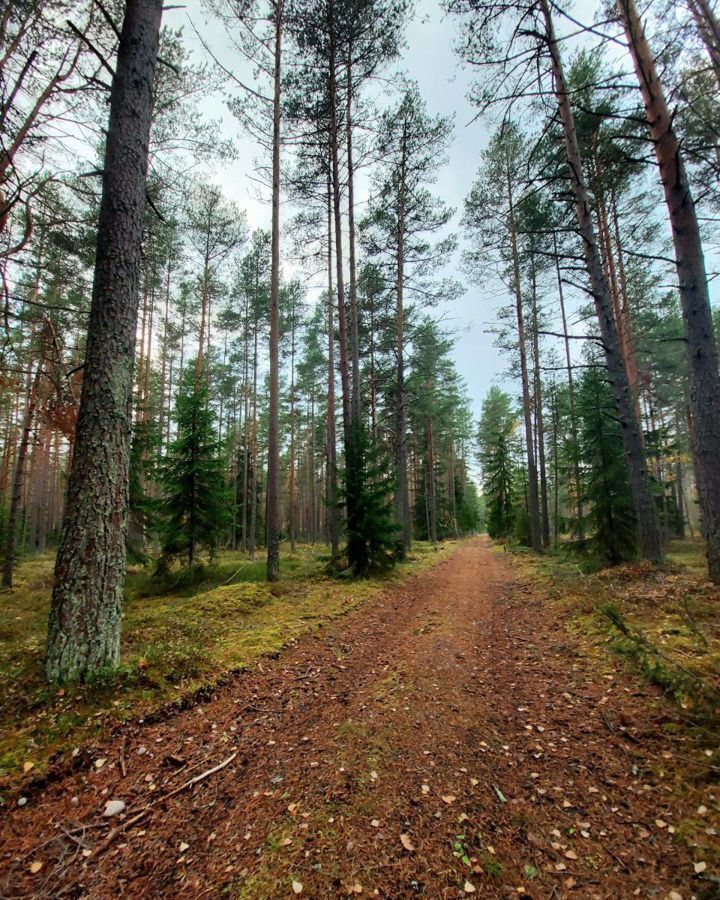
179 633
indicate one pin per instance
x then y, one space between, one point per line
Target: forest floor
463 732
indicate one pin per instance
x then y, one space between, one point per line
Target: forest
359 355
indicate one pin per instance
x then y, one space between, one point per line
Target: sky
429 58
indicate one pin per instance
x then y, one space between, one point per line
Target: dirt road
445 740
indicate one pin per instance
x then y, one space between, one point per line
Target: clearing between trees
455 736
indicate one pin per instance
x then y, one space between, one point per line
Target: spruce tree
195 507
498 423
607 490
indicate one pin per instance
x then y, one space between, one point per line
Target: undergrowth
180 632
663 622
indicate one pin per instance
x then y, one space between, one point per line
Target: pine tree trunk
650 537
626 319
579 505
539 417
19 476
533 507
694 297
708 28
332 491
246 425
254 453
354 326
85 615
292 504
402 498
430 485
163 358
273 464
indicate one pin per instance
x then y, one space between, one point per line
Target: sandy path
453 711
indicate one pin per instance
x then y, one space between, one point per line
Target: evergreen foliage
194 509
610 507
496 437
372 535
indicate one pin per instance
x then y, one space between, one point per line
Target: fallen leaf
425 788
448 798
373 775
571 854
469 887
297 887
375 823
36 866
28 765
407 843
699 867
99 763
501 797
184 846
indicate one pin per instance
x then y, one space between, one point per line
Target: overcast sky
429 58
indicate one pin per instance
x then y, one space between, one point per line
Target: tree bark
694 297
354 326
650 537
580 507
430 486
19 476
539 417
85 614
331 475
533 507
254 452
402 498
273 465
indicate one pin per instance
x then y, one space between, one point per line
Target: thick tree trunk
85 615
273 466
694 297
650 537
533 507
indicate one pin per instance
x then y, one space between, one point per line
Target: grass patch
180 633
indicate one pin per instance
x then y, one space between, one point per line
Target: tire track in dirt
453 711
